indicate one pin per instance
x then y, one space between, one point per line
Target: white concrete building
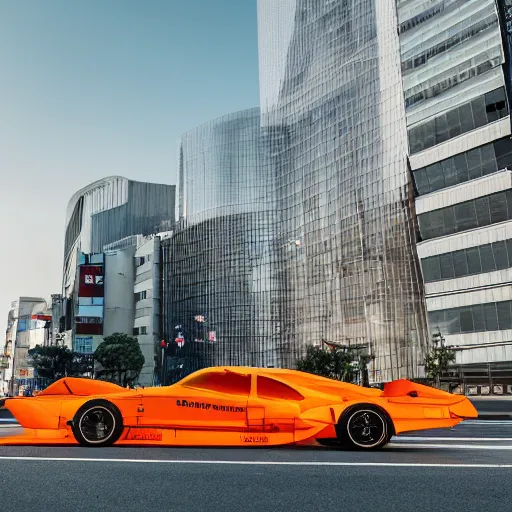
146 325
28 325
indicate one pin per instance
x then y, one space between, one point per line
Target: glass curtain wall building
455 60
334 120
217 267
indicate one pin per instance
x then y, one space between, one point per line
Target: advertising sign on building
91 281
25 373
89 325
89 319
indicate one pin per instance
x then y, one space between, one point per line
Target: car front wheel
97 423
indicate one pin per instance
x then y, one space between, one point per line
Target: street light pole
13 373
162 376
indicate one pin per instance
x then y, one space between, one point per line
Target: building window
141 296
455 35
91 301
142 259
467 215
466 262
493 316
143 312
480 111
138 331
464 167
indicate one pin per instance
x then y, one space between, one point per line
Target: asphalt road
468 468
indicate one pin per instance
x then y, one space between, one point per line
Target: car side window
273 389
228 382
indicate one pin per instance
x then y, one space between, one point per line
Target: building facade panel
471 297
472 214
461 144
471 238
474 188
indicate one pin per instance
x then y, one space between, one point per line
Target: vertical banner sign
91 285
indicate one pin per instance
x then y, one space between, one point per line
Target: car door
215 400
273 408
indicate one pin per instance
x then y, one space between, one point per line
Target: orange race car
233 406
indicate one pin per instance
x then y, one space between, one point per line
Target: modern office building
107 211
332 115
217 267
455 62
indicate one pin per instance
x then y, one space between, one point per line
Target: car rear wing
81 387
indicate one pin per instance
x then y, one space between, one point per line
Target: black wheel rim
97 425
366 428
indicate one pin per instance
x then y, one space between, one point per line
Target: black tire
364 427
97 423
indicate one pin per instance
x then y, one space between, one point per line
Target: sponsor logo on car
144 435
253 439
203 405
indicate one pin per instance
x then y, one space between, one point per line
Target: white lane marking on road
486 422
479 439
258 463
450 446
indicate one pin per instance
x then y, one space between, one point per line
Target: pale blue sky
91 88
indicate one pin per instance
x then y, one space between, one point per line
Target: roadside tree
121 359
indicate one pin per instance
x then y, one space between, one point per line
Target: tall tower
333 115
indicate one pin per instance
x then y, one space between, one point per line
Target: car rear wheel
364 427
97 423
